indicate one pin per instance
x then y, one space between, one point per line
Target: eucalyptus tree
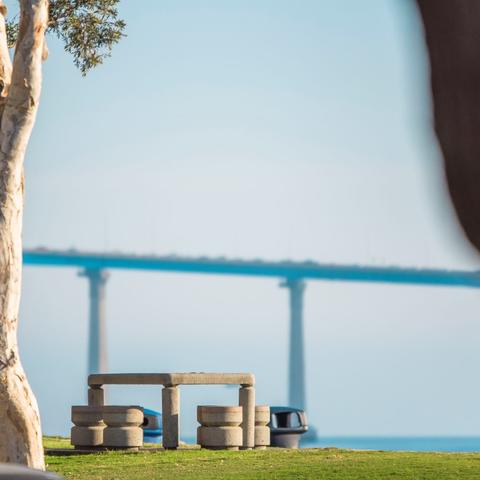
88 29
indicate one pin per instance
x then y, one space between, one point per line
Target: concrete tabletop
168 379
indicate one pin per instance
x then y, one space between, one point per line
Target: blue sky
253 128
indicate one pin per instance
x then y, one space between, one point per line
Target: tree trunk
452 33
20 433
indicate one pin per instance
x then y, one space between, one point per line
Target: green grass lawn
272 463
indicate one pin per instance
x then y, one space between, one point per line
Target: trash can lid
286 410
154 413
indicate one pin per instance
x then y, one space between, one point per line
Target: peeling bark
452 33
20 433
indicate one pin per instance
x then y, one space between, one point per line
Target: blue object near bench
152 426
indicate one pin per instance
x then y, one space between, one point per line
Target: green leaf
88 28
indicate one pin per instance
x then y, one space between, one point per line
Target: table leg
171 416
96 397
247 402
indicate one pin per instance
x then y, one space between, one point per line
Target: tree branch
24 93
5 61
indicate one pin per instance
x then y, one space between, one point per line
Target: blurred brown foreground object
452 33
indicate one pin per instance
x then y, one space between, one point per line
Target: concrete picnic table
171 396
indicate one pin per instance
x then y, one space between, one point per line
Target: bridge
293 275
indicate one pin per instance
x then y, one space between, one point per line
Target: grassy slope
273 463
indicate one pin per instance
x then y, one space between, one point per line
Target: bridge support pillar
296 366
97 351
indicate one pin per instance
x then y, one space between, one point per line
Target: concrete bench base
122 427
262 431
219 437
87 436
113 427
89 426
220 427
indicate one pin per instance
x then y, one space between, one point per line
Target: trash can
287 425
152 426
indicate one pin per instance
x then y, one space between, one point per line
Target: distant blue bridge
95 265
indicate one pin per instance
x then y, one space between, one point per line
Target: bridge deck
286 269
